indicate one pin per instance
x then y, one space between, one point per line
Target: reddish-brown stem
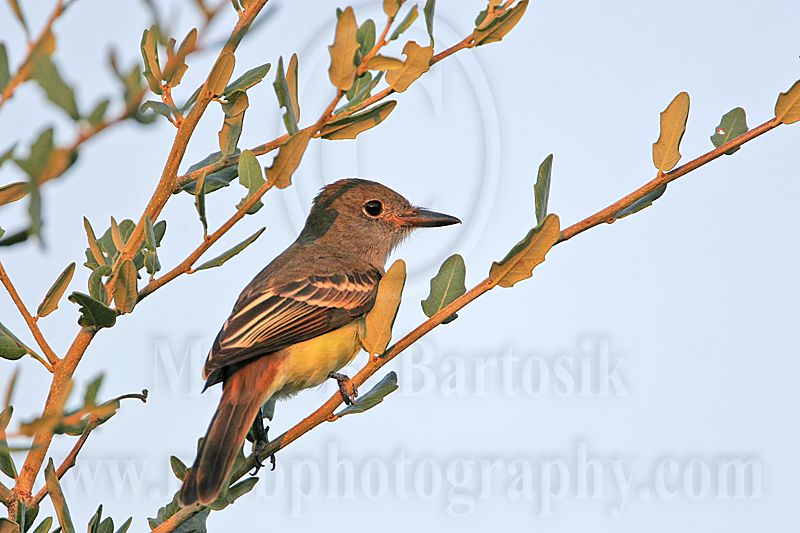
23 72
51 356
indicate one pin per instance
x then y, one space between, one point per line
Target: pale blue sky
661 348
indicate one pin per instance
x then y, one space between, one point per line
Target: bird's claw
258 448
347 389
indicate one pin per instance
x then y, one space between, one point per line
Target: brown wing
264 321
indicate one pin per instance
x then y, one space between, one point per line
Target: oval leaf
342 71
125 290
519 263
787 108
379 321
50 302
733 124
221 259
373 397
541 190
350 127
446 286
666 150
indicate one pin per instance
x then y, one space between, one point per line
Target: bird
297 323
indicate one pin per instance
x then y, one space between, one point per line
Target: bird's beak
418 217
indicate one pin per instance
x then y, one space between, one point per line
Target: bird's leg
260 441
348 391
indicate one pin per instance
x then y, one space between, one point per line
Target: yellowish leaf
379 321
495 29
288 159
221 73
350 127
391 7
384 63
417 63
343 51
519 263
666 150
787 109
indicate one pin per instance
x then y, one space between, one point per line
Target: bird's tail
243 394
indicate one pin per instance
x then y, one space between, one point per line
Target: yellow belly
307 364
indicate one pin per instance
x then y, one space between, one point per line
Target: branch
6 496
23 72
29 319
326 411
269 146
66 367
69 460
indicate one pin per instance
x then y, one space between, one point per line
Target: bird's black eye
373 208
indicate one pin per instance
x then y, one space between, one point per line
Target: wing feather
269 319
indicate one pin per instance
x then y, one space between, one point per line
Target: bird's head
366 217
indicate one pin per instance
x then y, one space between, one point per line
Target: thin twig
29 319
326 411
23 72
66 368
69 460
6 496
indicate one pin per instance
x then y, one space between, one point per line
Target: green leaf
94 246
446 286
376 394
342 70
541 190
285 85
57 498
95 118
50 302
55 88
178 468
787 108
149 49
95 520
6 462
405 24
279 174
39 155
176 63
221 73
223 258
245 81
5 72
232 126
159 108
666 150
379 321
150 249
96 283
44 526
92 389
350 127
366 39
2 232
732 125
125 290
125 526
240 489
500 26
361 89
251 178
641 203
429 11
94 313
527 254
11 347
216 180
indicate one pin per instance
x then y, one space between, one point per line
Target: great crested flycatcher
298 321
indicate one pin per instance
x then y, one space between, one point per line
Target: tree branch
66 367
29 319
69 460
326 411
23 72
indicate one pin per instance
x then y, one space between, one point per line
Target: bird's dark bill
425 218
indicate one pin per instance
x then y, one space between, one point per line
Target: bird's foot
258 449
347 389
260 442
